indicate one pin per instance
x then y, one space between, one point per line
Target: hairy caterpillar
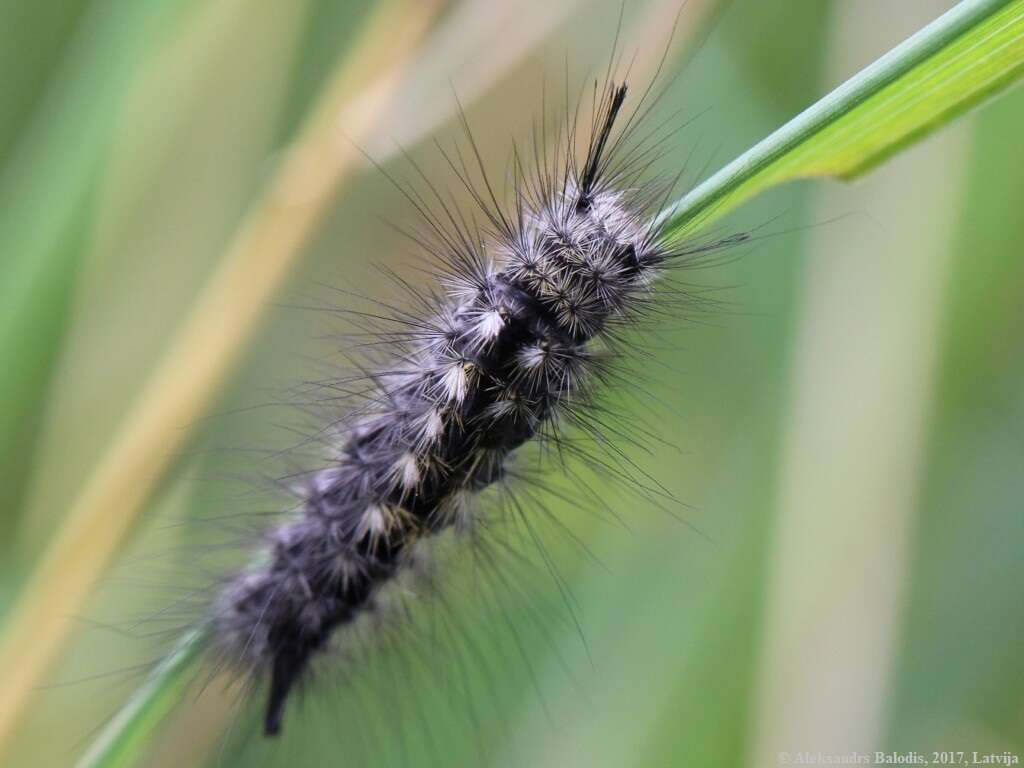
509 352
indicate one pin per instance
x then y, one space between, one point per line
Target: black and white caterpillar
512 348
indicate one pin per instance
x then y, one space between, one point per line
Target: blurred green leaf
960 676
32 37
45 197
964 56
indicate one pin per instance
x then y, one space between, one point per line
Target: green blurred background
848 436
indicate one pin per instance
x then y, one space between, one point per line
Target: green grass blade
126 736
967 54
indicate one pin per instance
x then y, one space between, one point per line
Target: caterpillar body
512 348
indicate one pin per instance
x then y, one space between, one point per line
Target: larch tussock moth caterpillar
524 330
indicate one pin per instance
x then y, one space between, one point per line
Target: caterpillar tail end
288 666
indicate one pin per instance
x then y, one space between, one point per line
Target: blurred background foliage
848 436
